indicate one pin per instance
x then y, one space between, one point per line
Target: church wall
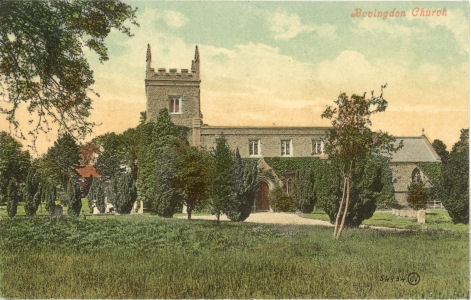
402 178
270 139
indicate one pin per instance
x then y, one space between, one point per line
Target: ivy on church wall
433 171
283 164
379 174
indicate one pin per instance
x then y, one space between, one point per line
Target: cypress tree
221 189
50 195
31 196
75 199
239 205
456 180
12 198
123 193
304 194
96 195
166 198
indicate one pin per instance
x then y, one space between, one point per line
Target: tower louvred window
176 104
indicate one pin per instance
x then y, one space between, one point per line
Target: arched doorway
263 203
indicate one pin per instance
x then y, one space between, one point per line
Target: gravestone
421 216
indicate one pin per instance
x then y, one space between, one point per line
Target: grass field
150 257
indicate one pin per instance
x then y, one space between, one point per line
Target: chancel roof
415 149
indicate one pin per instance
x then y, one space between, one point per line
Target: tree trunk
217 216
340 207
346 208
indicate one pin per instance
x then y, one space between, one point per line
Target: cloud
170 17
457 23
286 26
378 26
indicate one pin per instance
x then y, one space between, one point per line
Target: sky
281 63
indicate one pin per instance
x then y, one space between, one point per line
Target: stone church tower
179 92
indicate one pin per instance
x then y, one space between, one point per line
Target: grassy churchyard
145 256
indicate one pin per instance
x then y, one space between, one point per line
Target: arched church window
416 176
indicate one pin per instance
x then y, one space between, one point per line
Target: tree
440 148
42 62
14 163
117 150
417 196
154 138
370 187
240 204
194 176
31 193
12 198
49 196
96 195
221 188
167 198
350 140
75 199
304 194
455 180
122 193
110 156
60 159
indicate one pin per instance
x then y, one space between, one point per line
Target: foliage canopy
42 62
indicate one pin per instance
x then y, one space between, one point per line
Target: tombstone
58 211
421 216
109 208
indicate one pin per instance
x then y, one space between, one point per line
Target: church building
179 92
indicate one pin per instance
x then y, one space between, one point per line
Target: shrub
123 193
303 193
12 198
96 195
75 199
239 205
280 201
417 196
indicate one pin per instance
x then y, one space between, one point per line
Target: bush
123 193
75 199
417 196
96 195
280 201
12 198
304 194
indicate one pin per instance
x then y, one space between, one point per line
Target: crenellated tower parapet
172 74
